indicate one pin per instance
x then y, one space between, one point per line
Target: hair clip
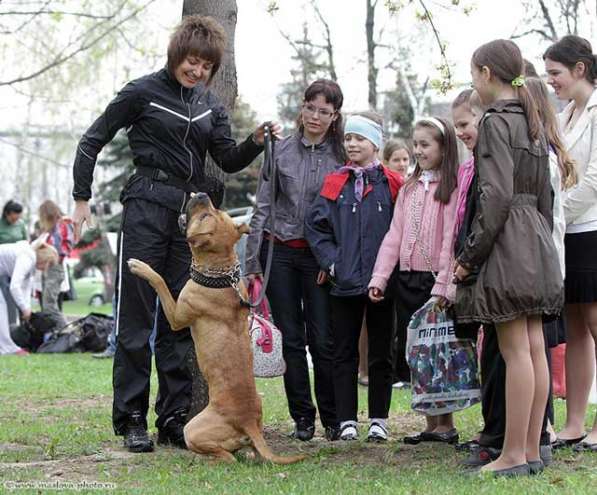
519 81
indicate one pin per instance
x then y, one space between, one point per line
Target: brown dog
219 325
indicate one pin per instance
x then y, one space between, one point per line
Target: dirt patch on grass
360 452
70 469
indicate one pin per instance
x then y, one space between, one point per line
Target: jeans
301 311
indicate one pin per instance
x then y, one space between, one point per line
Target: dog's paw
139 268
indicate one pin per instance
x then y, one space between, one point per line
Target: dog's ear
243 228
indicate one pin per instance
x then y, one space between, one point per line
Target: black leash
269 165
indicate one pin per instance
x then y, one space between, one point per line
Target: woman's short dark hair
11 207
198 36
572 49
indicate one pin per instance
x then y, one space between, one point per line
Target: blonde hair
44 253
49 214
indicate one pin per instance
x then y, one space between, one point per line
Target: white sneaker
377 432
349 432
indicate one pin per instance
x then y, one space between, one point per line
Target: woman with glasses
299 302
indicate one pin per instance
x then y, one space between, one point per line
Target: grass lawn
55 428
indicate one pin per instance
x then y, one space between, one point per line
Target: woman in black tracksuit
172 120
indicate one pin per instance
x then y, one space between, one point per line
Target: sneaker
172 432
401 385
107 353
349 432
135 436
363 380
332 433
304 429
377 432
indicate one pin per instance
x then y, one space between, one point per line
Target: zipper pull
378 206
354 207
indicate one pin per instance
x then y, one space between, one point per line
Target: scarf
358 172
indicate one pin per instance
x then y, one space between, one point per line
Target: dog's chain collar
218 278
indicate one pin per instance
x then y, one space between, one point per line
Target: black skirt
581 267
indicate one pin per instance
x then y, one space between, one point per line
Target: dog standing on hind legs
211 305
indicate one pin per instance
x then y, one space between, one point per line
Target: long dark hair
11 207
448 169
572 49
332 93
504 60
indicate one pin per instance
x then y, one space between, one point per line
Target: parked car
90 287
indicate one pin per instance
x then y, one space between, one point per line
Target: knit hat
357 124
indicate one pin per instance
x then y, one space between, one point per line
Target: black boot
172 432
135 437
304 430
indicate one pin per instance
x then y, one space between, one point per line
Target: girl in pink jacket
421 240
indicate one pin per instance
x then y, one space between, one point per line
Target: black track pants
149 232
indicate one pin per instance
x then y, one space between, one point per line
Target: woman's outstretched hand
81 215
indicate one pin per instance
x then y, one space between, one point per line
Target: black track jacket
169 127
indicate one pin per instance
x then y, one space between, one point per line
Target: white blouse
17 261
580 201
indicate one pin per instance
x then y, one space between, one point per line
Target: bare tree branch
60 59
446 65
548 20
33 153
540 32
328 38
26 22
371 45
56 12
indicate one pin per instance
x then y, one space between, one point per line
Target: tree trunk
225 12
224 85
372 70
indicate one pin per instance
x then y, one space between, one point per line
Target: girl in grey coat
299 300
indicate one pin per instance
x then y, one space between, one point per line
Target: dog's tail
259 444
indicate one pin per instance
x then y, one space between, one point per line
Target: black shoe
450 436
332 433
304 430
562 443
536 467
413 439
481 456
469 446
135 436
172 432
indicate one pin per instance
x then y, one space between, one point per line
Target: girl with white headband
345 228
420 239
